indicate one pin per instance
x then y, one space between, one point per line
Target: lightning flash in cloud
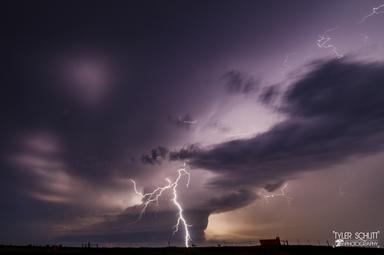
375 11
186 121
153 197
282 193
324 42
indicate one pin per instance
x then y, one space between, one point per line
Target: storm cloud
91 89
126 227
334 111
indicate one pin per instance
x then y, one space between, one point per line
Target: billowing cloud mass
335 111
326 123
96 94
125 227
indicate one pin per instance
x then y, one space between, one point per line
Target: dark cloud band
333 112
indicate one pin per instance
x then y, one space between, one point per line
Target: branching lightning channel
324 42
282 193
153 197
375 11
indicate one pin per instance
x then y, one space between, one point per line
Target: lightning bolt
323 42
153 197
375 11
282 193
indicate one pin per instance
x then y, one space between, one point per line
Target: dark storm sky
97 92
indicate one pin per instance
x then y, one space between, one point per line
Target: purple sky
96 93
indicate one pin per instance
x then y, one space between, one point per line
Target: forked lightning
375 11
153 197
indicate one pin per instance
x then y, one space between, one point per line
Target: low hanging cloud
230 201
125 226
334 112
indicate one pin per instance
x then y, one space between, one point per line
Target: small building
270 242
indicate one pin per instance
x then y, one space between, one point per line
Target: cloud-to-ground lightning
375 11
153 197
323 42
282 193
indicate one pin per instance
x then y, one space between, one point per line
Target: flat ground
255 250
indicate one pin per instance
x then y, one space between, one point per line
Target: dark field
180 251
